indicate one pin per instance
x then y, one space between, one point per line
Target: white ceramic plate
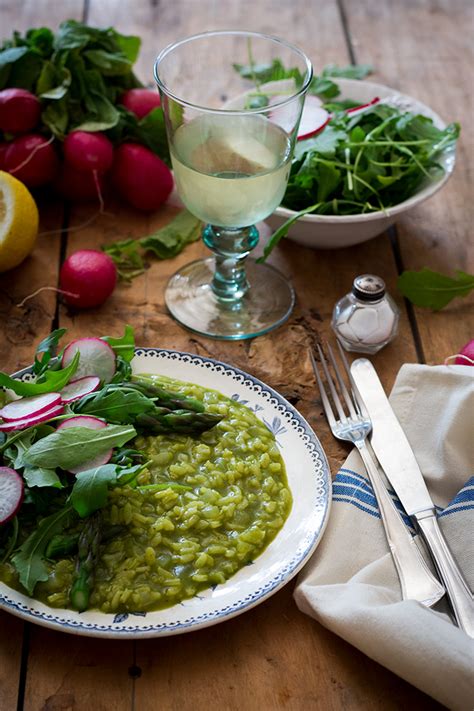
310 484
334 232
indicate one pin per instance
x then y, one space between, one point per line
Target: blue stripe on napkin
463 501
350 487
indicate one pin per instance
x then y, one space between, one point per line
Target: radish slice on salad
11 493
363 107
80 387
96 358
89 421
92 423
29 406
33 420
313 119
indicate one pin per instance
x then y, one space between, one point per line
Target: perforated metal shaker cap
368 287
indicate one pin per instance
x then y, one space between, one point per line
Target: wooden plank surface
273 657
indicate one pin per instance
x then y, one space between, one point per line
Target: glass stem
231 248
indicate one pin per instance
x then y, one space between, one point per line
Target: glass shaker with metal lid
366 319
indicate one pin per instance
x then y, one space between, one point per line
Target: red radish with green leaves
141 178
14 425
20 111
32 159
79 387
140 101
29 406
96 358
90 423
12 490
88 277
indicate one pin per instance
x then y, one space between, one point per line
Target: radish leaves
433 290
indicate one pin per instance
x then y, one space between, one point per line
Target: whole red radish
141 178
91 275
32 159
87 151
466 354
79 186
140 101
20 111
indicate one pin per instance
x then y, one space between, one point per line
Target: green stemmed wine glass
231 152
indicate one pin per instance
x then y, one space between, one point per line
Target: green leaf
151 131
109 64
324 143
69 448
56 118
433 290
263 73
165 243
89 492
124 346
352 71
8 57
169 240
47 347
323 87
51 380
103 115
29 560
129 45
38 476
117 406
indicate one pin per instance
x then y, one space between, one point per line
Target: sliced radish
313 119
363 107
11 493
96 358
92 423
29 406
80 387
33 420
89 421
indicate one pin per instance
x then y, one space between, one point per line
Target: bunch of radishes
85 163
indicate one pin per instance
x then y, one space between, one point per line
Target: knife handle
458 592
416 580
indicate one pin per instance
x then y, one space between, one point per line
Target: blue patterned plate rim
51 617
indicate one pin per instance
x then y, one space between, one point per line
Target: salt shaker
366 319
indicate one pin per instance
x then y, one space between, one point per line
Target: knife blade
397 459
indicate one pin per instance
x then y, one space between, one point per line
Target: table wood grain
272 657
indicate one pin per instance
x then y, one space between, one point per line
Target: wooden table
272 657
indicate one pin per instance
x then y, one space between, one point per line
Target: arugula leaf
90 489
433 290
51 380
89 492
29 560
165 243
71 447
38 476
48 347
124 346
117 406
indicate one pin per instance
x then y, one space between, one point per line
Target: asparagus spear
178 421
165 398
64 544
87 553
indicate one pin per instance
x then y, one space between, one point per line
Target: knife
396 457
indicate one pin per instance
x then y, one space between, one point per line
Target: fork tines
351 402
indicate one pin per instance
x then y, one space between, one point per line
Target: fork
416 580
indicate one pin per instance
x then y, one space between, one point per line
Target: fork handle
416 580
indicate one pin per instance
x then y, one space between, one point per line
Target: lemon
18 222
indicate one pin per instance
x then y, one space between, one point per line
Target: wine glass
231 143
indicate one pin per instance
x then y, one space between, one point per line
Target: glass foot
191 301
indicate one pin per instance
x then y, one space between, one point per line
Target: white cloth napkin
350 584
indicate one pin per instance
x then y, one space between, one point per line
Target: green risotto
228 499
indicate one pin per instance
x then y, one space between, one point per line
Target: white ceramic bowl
332 231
